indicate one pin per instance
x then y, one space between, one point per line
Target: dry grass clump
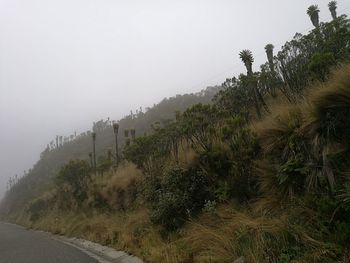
292 234
286 154
331 106
116 189
275 131
300 142
186 155
122 177
235 234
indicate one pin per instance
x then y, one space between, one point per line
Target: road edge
99 252
102 254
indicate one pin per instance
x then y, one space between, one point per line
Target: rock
240 260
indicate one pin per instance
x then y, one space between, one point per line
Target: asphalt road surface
18 245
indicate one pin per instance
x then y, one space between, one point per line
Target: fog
66 63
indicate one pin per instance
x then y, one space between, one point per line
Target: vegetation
333 9
313 11
262 171
39 178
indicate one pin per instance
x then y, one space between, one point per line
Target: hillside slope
275 191
39 178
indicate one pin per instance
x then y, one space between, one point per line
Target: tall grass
300 142
116 189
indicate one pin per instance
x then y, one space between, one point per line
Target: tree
333 9
104 163
233 99
293 61
247 58
109 155
126 133
269 52
116 129
91 162
94 149
133 134
312 12
269 78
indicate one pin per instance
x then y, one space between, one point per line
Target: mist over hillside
78 146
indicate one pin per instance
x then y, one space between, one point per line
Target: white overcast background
66 63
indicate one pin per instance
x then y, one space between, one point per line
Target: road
18 245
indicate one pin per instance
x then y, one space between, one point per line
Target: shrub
345 197
170 211
96 198
74 177
182 193
216 163
103 164
149 152
320 64
39 206
341 233
210 207
244 148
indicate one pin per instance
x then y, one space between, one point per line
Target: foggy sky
66 63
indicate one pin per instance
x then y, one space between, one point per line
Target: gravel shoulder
101 253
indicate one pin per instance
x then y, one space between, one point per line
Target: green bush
244 149
182 193
345 197
74 178
98 200
38 207
148 152
289 255
216 163
169 211
320 65
341 233
326 205
103 164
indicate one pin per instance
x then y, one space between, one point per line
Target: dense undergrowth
261 172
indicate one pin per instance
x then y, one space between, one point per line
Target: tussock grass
186 155
332 106
230 233
275 131
116 189
236 234
303 140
